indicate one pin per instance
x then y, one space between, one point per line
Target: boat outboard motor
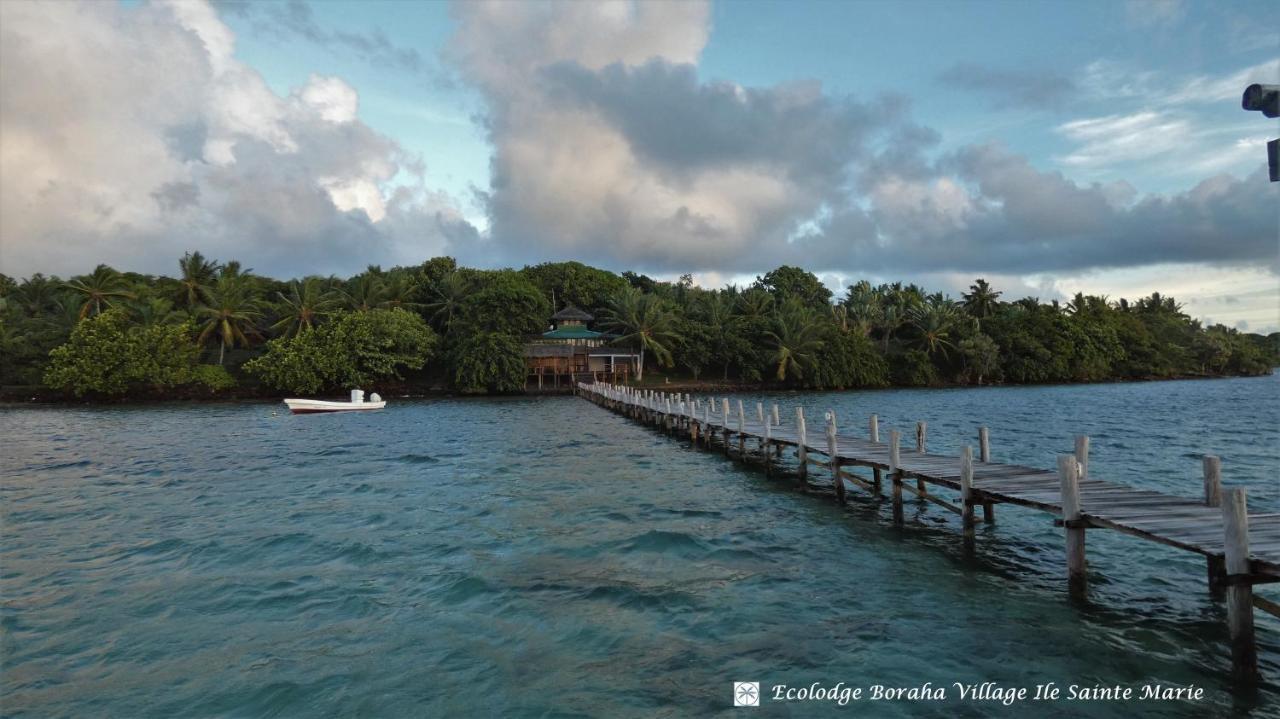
357 396
375 397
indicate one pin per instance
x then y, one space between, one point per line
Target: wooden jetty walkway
1241 550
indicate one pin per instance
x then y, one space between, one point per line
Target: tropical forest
217 329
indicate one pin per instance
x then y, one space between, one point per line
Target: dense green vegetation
217 327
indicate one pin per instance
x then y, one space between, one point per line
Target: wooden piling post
766 442
742 431
724 433
708 429
1082 455
1216 566
1212 481
1069 477
895 474
874 432
760 412
802 452
984 454
1235 525
921 428
833 456
777 418
966 490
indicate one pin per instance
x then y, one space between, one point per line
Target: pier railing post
1069 477
1212 481
706 424
693 424
895 474
984 454
921 429
1235 525
760 416
966 491
742 431
802 452
766 443
724 430
1216 566
833 456
874 434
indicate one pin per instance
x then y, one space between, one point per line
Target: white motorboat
357 404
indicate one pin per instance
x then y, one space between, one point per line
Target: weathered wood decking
1241 549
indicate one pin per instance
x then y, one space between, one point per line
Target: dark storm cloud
1010 88
676 122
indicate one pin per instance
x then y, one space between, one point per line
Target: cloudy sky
1048 146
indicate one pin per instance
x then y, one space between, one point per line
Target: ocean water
545 557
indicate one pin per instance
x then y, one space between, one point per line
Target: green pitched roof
572 332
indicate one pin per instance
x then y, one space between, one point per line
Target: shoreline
19 396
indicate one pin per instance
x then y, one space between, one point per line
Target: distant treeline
218 328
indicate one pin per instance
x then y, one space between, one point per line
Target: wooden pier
1241 550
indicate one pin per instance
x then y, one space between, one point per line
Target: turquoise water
535 557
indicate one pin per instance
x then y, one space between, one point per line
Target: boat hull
317 406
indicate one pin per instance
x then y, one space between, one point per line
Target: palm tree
230 316
642 320
863 306
934 321
38 295
755 304
981 301
796 337
198 275
101 287
397 291
722 326
447 297
307 302
363 293
889 319
155 311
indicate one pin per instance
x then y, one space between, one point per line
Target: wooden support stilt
921 428
1069 476
802 451
984 455
966 490
1082 456
760 412
777 418
724 431
833 457
766 444
895 474
742 431
874 433
1235 525
1216 566
1212 481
